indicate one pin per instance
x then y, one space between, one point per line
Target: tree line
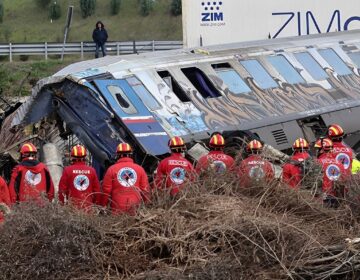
88 7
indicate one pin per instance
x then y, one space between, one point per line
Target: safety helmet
254 146
78 151
177 143
217 141
300 144
28 149
335 131
327 144
124 148
317 144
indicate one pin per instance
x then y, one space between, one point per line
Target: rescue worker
294 171
334 174
318 147
125 183
216 159
174 171
4 198
30 179
342 152
79 183
254 168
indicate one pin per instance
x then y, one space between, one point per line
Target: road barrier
113 48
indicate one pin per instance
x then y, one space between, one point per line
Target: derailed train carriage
277 90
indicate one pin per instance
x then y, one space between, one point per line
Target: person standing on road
100 37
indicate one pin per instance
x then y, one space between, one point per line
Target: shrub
145 7
24 57
175 7
87 7
54 10
115 6
43 3
7 32
1 11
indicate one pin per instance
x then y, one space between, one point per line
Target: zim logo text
211 11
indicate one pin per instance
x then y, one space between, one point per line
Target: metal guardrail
114 48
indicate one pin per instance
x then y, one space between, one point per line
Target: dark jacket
100 36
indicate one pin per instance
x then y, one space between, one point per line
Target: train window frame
262 78
314 74
287 71
221 68
192 74
335 61
173 85
149 99
120 98
356 61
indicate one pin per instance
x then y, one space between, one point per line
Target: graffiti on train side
184 114
234 109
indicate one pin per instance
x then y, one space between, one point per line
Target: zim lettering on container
211 11
336 22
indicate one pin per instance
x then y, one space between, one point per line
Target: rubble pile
214 230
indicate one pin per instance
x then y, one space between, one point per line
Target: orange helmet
124 148
254 145
176 142
327 144
78 151
217 141
28 148
318 144
300 144
335 131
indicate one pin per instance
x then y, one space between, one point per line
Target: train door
137 118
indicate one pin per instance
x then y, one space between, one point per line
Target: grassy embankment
26 22
18 78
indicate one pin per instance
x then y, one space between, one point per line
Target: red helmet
300 144
327 144
176 143
28 148
78 151
124 148
335 131
254 145
217 141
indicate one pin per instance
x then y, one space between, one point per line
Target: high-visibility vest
355 166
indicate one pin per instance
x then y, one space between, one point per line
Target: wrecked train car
277 90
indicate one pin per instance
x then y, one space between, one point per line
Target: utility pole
67 28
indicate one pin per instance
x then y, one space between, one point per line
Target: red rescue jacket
29 180
292 173
4 196
126 185
80 185
254 168
343 154
217 160
173 172
333 171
